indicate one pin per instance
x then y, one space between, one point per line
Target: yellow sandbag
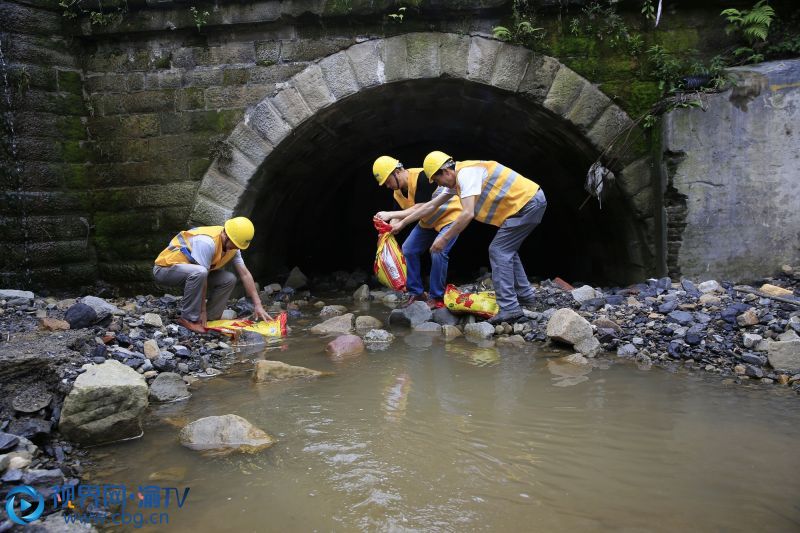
268 328
390 264
483 304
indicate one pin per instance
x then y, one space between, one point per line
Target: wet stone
30 428
683 318
8 442
753 359
80 316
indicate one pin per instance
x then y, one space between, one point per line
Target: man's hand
383 215
397 227
260 313
203 320
438 245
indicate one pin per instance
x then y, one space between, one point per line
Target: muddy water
455 437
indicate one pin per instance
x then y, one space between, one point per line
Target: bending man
194 260
390 173
493 194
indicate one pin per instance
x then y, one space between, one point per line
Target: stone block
394 59
291 106
200 77
238 168
510 66
566 87
235 96
453 55
311 85
189 98
539 77
208 212
422 55
266 120
250 143
268 52
590 104
312 49
611 123
635 177
482 57
339 75
367 63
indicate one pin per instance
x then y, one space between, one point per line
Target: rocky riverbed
63 357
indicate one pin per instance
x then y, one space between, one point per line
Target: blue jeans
417 243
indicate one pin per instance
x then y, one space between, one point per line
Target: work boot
527 302
509 317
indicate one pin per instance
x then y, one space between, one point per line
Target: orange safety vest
503 194
443 216
179 250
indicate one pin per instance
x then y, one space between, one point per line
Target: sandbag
268 328
482 304
390 264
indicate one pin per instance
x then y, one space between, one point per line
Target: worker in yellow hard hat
194 259
390 173
493 194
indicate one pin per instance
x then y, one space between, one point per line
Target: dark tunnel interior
313 198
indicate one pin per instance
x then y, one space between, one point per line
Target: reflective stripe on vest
503 192
443 216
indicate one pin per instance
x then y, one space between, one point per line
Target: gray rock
361 294
588 347
512 340
451 332
444 317
43 477
337 324
296 279
32 399
753 359
105 404
567 326
432 327
364 323
151 349
627 350
750 339
784 355
479 330
30 428
266 370
378 336
582 294
7 294
228 314
168 387
80 316
332 310
684 318
410 316
345 346
8 442
152 319
102 308
710 286
224 434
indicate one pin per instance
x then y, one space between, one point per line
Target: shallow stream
429 435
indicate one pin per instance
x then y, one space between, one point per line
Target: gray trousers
508 275
192 277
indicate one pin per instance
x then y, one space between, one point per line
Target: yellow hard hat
240 231
383 166
433 162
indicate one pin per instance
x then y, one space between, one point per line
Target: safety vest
443 216
179 250
503 194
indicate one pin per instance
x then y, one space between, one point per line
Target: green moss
72 127
634 96
76 176
265 62
679 40
70 82
162 62
74 152
235 76
198 167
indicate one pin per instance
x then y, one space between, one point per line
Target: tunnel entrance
313 198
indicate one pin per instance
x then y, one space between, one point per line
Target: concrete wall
733 177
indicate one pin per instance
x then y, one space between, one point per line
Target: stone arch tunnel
311 195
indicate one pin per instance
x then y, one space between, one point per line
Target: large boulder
567 326
105 404
444 317
479 330
296 279
10 294
168 387
276 370
337 324
410 316
366 323
80 316
345 346
361 294
224 434
785 355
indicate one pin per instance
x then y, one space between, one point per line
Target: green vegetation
523 30
200 17
99 13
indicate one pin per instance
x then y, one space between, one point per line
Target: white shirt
470 182
202 247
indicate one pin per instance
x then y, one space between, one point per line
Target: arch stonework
540 79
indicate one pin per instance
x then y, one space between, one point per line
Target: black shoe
509 317
527 302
